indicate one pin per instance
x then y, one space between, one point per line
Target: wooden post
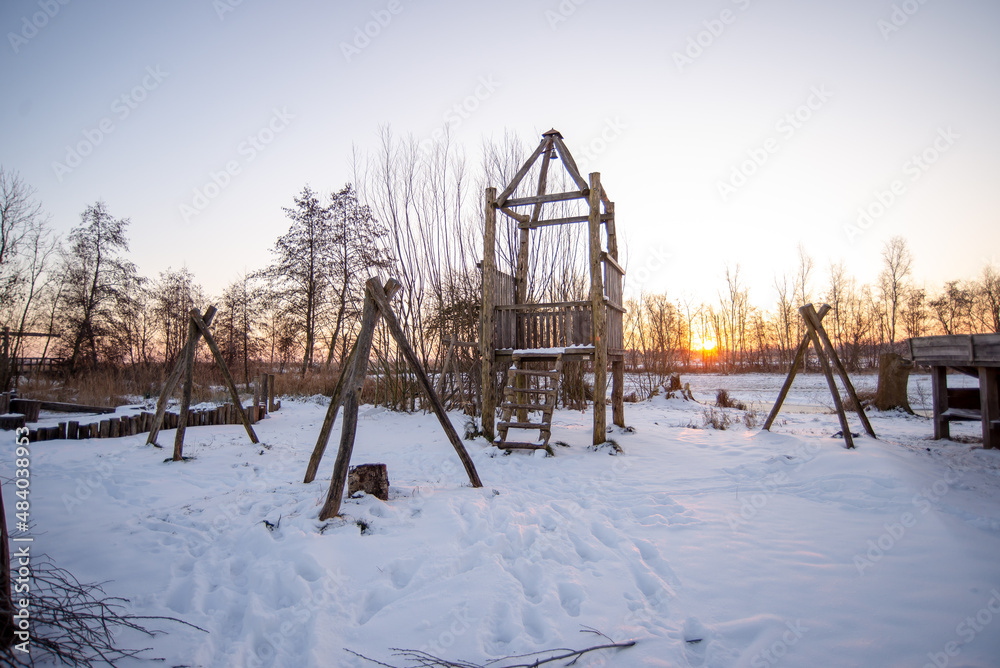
597 314
486 343
404 347
202 328
809 313
271 406
989 406
800 354
171 383
336 492
939 390
355 367
825 365
189 351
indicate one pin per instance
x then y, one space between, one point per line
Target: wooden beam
171 383
597 314
553 197
521 218
989 398
516 181
356 366
486 343
186 391
834 392
800 354
418 371
228 377
605 217
570 163
612 233
809 313
331 508
607 257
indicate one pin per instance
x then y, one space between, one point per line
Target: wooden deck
976 355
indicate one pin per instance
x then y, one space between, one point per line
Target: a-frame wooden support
197 328
348 393
825 351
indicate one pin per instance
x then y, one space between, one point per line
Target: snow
709 548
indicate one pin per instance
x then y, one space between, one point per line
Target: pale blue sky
678 131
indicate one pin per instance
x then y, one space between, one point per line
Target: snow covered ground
709 548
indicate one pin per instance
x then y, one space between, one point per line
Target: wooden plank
544 199
613 262
234 394
522 425
618 392
516 445
962 415
522 219
404 347
597 314
189 351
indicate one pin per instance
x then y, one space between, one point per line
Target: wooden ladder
516 398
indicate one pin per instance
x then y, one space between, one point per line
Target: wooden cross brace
825 351
197 328
348 392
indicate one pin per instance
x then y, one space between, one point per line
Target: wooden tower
514 333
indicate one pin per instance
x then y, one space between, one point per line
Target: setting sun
703 344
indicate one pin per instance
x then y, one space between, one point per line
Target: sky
727 132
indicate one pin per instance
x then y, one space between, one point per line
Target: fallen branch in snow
421 659
74 623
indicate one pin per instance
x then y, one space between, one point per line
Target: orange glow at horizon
707 345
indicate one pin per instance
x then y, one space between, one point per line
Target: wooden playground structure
530 341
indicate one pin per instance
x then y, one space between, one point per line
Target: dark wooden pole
597 313
834 392
404 347
486 343
189 351
331 508
230 383
800 354
809 313
171 383
356 366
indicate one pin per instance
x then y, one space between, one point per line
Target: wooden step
541 356
525 425
529 407
513 445
530 390
532 372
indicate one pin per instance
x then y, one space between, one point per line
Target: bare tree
173 296
986 305
96 274
897 263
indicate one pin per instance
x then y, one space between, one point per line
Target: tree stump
893 375
12 421
369 478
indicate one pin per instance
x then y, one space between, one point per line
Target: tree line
414 211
